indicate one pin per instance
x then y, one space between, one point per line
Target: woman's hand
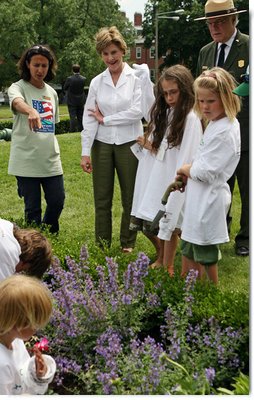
96 114
34 120
40 365
86 164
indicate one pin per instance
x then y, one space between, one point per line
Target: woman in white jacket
111 122
25 305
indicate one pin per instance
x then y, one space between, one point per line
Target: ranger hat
219 8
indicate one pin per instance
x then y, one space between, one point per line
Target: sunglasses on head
39 50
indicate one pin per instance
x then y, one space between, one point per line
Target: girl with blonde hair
207 192
25 306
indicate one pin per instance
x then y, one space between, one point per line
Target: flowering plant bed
126 333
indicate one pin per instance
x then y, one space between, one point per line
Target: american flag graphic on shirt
45 109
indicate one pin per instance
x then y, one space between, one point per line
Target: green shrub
5 124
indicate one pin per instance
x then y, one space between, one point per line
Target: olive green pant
106 159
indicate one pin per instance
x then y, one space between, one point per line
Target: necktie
221 55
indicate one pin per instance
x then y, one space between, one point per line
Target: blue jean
30 189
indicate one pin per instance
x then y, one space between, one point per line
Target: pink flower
42 345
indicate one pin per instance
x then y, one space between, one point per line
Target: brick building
139 54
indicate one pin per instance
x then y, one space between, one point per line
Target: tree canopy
67 26
180 41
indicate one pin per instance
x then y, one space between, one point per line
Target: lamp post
163 15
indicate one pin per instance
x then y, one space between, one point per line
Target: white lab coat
156 172
207 192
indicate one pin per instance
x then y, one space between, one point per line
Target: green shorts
205 255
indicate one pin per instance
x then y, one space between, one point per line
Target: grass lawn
77 219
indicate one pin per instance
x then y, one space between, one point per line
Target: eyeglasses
217 22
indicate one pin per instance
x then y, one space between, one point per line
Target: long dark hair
43 50
159 121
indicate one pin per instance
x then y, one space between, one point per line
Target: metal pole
156 45
157 16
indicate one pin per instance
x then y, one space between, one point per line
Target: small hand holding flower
42 345
40 365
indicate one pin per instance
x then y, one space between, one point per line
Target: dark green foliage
185 37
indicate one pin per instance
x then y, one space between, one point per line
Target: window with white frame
152 52
138 52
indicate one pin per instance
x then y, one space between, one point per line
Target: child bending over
23 250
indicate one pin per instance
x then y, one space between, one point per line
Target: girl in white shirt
111 122
175 132
25 305
207 192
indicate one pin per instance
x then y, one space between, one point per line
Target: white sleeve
147 88
36 385
90 124
190 142
15 91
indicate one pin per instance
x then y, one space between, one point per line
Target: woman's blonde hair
25 302
107 36
221 82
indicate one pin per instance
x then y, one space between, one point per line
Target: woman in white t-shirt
35 156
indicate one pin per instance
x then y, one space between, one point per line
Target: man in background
74 86
230 50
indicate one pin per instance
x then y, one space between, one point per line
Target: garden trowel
176 185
